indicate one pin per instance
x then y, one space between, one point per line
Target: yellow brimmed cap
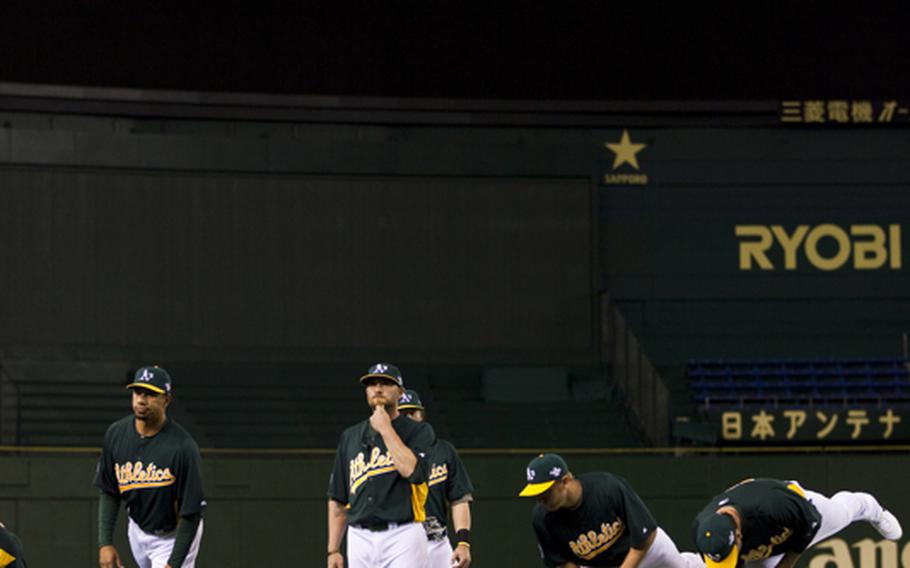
542 473
152 378
715 539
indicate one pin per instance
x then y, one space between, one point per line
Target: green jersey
776 517
159 477
11 555
610 519
365 479
448 481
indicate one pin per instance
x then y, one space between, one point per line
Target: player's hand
336 560
108 557
461 556
380 420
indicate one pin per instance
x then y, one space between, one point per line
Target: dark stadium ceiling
535 50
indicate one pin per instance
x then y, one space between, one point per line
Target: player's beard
384 402
142 414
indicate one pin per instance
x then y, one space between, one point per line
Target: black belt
378 526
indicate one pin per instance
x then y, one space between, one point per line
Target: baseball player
449 485
11 554
152 464
378 487
763 523
595 519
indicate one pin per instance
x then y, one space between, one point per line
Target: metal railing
645 394
10 424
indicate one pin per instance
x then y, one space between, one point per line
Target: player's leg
361 550
139 544
439 553
404 547
847 507
663 552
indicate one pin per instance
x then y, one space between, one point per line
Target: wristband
463 536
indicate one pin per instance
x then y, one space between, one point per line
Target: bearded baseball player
763 523
378 487
450 490
153 465
595 519
11 554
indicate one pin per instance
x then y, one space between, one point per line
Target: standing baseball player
450 489
764 523
11 554
152 464
595 519
378 487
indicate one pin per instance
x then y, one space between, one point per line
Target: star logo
625 151
555 472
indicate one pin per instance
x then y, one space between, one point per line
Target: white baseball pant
440 553
663 554
399 546
153 551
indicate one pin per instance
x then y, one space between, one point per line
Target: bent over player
378 487
153 465
11 554
595 519
450 489
763 523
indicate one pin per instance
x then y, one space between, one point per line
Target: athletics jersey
776 517
159 477
10 550
599 532
365 479
448 481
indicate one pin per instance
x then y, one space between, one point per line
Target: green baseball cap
152 378
385 371
542 473
410 400
715 539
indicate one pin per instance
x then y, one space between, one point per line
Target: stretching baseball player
449 485
766 523
152 464
11 553
595 519
378 487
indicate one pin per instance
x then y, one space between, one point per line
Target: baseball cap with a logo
542 473
152 378
384 371
410 400
715 539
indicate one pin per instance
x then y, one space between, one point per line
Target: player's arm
108 504
461 523
337 524
190 502
546 546
108 508
635 555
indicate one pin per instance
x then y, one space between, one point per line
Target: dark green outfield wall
269 510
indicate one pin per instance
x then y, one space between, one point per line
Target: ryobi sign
825 247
